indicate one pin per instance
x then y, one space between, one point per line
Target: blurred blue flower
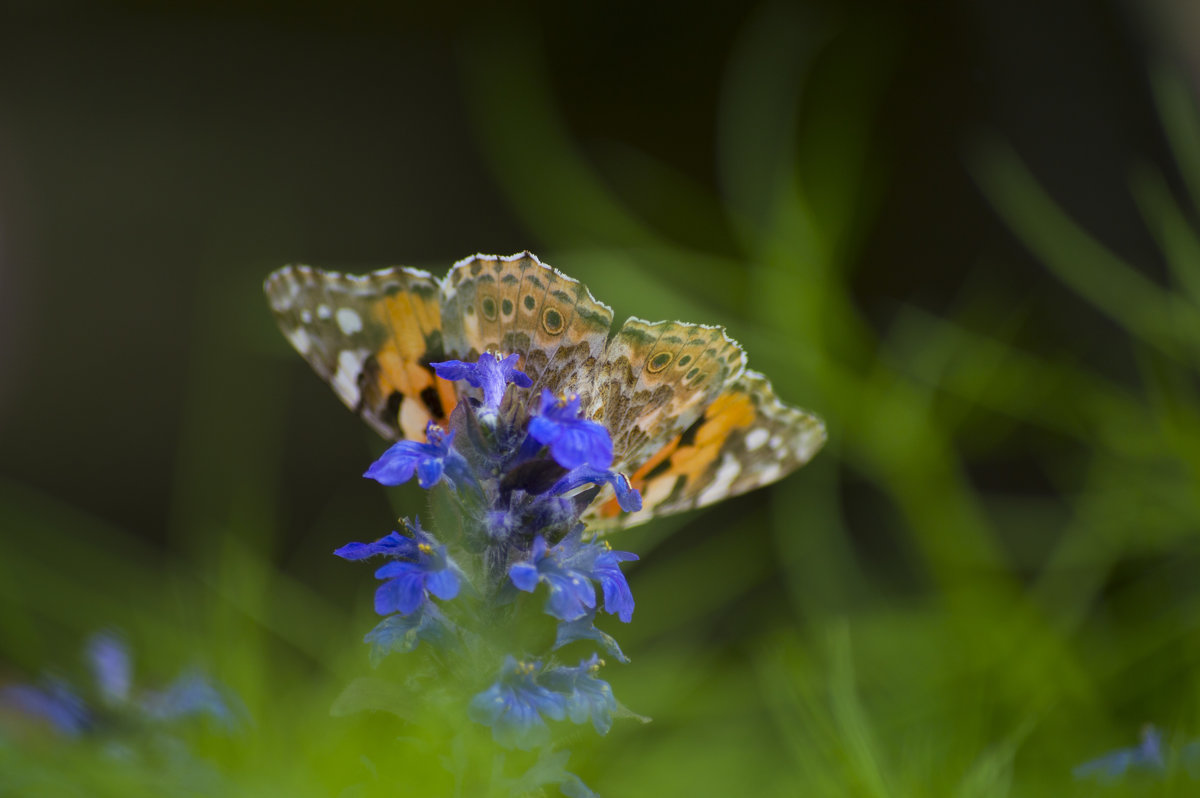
110 663
515 704
431 461
1145 756
190 695
573 441
489 373
55 702
584 628
587 697
112 669
402 633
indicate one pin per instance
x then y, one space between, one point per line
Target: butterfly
690 424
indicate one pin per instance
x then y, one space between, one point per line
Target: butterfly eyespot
659 362
487 306
530 302
506 307
552 321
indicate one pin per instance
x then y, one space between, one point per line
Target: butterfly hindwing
372 338
656 379
745 439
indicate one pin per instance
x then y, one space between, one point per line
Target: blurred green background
963 233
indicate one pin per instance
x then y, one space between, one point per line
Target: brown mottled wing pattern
372 338
745 439
518 304
656 380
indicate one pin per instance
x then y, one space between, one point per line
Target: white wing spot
345 380
769 474
776 442
323 312
756 438
306 316
300 340
349 321
719 488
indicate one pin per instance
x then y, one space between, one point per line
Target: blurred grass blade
1174 234
760 100
1177 110
526 144
861 747
1096 274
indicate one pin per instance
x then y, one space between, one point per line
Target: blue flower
111 667
393 544
408 581
587 697
515 704
56 703
190 695
569 570
618 598
627 497
584 628
429 461
1146 756
402 633
489 373
571 591
573 441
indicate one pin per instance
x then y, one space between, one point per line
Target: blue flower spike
573 441
513 515
490 373
430 461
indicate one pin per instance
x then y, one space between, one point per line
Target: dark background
153 155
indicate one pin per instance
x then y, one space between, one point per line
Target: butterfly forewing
556 326
372 338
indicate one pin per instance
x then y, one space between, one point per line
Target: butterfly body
690 424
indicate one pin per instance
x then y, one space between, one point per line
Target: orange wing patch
685 460
372 338
403 360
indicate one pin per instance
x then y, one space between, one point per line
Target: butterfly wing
656 379
371 337
518 304
745 439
